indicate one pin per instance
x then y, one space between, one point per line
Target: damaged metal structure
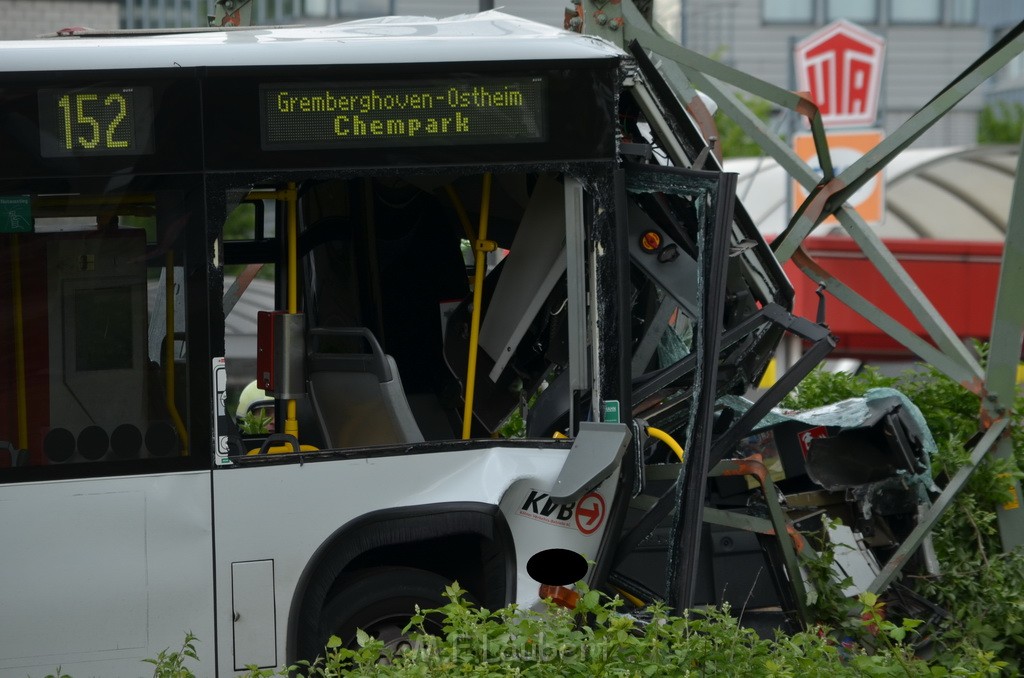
750 476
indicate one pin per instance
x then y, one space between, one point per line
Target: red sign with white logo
841 66
809 436
590 513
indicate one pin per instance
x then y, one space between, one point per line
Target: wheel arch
477 534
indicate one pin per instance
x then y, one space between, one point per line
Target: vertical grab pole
19 342
480 248
169 394
291 422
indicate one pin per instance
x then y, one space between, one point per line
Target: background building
28 18
998 18
928 42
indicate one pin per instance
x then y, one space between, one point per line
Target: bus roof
484 37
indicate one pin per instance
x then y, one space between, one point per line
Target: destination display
87 121
391 114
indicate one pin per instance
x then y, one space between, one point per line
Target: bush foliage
597 639
980 586
1001 123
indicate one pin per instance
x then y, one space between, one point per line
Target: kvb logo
540 506
586 515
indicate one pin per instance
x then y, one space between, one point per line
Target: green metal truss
689 72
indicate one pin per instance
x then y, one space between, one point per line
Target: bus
451 229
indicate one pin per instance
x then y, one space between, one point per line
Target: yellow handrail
291 422
481 247
172 406
290 196
664 437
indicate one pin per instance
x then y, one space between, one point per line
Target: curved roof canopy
937 193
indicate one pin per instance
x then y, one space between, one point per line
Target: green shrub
598 639
979 585
170 664
1001 123
255 423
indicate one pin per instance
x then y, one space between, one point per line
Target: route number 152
95 123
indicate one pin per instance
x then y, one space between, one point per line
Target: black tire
381 601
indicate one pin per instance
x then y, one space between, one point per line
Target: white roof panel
486 36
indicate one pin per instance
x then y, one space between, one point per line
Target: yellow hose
480 248
658 434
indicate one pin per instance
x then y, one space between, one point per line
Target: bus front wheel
381 602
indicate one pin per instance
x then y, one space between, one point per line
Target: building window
1013 71
857 11
788 11
963 12
915 12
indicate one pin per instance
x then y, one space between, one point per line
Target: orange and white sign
846 148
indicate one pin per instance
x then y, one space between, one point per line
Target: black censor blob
557 567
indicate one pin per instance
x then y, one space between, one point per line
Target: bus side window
94 361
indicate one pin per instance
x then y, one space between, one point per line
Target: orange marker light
560 595
650 241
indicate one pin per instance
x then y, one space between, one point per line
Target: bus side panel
539 523
305 505
101 573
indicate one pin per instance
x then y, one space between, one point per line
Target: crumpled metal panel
844 460
849 413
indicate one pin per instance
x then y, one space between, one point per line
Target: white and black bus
422 205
